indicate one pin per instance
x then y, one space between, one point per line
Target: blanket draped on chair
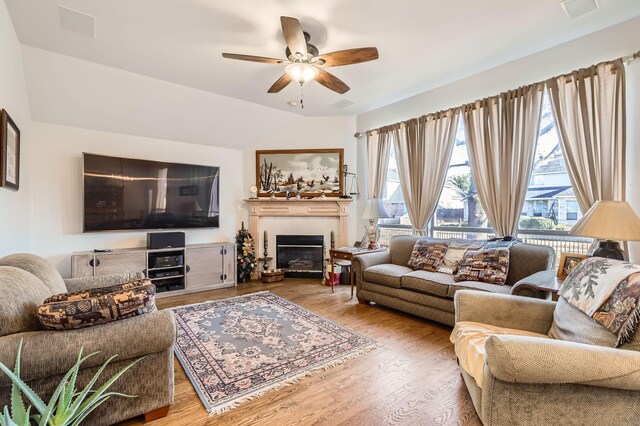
608 291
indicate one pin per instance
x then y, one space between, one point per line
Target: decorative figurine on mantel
254 192
246 256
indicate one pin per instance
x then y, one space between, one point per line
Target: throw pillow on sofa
97 306
489 265
94 292
427 255
452 259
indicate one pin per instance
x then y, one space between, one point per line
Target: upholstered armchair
536 362
25 282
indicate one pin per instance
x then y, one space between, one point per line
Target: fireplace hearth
300 255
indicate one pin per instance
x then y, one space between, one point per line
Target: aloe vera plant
67 406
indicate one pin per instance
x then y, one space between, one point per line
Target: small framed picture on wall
9 152
568 262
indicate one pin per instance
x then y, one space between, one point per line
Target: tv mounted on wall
127 194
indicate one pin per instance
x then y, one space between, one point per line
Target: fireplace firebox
300 255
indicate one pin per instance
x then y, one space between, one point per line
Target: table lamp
373 211
609 222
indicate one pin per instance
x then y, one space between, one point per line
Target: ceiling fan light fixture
301 72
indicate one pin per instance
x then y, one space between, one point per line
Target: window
459 205
550 203
393 199
572 210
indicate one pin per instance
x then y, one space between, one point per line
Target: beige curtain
423 149
378 147
501 136
589 109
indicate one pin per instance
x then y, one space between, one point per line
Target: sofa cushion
97 306
478 285
469 339
435 283
487 265
386 274
20 295
39 267
428 255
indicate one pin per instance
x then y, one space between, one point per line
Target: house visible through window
550 203
459 205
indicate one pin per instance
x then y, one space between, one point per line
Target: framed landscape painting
309 172
9 152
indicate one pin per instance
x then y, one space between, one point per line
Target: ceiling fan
304 61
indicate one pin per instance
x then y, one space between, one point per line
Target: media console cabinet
203 266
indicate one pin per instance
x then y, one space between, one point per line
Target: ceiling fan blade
349 56
332 82
251 58
280 84
294 36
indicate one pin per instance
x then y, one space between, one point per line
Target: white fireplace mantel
316 207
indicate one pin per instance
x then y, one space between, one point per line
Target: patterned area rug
236 349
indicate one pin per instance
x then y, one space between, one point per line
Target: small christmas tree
246 255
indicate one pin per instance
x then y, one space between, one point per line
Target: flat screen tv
127 194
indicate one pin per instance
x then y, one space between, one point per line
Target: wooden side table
347 254
552 287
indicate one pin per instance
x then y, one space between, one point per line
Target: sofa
25 282
538 362
384 278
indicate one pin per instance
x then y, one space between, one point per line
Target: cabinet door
204 267
230 263
120 263
82 265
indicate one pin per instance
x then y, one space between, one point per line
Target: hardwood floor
412 380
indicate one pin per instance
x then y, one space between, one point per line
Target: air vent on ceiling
343 103
576 8
77 22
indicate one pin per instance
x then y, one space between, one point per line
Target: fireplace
300 255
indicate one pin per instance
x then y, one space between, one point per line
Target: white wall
15 207
57 187
607 44
613 42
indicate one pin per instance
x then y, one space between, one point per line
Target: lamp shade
375 209
609 220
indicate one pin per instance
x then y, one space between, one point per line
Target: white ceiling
422 43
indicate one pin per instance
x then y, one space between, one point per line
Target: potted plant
68 406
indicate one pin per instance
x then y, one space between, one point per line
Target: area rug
236 349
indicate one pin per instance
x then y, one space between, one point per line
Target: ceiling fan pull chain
301 97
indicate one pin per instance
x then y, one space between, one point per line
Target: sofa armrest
521 359
363 261
47 353
529 286
503 310
87 283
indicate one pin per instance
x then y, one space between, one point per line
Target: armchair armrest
501 310
363 261
528 286
87 283
521 359
46 353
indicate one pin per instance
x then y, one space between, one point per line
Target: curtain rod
625 59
